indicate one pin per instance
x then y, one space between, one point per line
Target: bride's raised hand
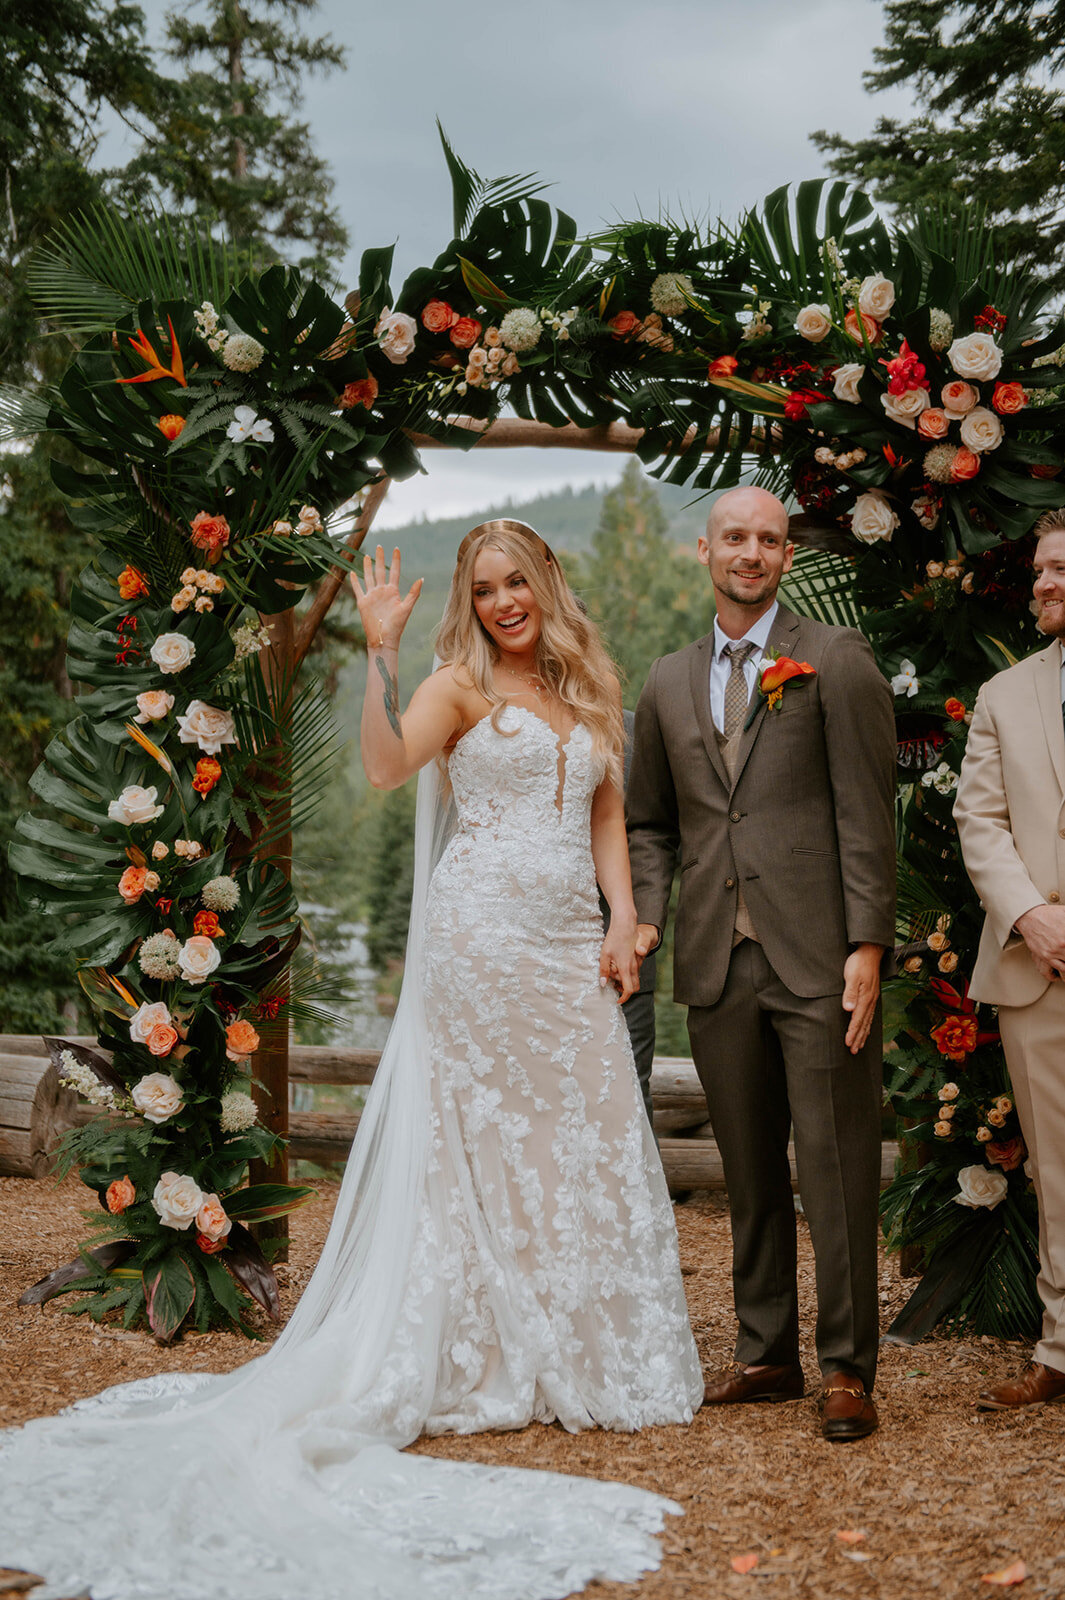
383 607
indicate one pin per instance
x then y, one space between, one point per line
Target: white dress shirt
721 664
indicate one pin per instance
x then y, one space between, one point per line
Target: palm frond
821 585
22 415
471 193
784 241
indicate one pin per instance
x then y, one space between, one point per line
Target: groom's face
745 547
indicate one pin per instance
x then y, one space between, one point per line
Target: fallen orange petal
745 1563
1005 1576
850 1535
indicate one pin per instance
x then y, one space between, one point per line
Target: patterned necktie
736 688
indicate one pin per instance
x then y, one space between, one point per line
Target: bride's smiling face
505 605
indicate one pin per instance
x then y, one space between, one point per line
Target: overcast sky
694 106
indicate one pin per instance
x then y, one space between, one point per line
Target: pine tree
991 132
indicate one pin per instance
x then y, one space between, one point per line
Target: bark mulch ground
943 1494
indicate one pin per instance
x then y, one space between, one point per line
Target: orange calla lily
779 671
143 346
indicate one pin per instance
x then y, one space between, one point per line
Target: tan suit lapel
782 641
700 688
1047 669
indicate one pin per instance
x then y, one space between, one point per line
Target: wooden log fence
689 1154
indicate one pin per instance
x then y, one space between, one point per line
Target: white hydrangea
158 957
221 894
940 330
242 353
669 293
78 1076
238 1112
520 329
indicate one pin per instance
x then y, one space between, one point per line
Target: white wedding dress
503 1251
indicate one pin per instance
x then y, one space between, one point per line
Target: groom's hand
648 938
861 991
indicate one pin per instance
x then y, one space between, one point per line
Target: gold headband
504 525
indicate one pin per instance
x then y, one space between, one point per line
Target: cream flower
981 430
158 1097
845 383
158 957
957 398
979 1186
395 333
135 806
669 293
905 408
949 1091
876 296
176 1200
943 1130
221 894
209 727
242 353
905 682
873 517
149 1015
198 958
940 329
247 425
183 599
172 652
238 1112
976 357
814 323
520 329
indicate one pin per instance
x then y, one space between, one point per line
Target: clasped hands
1043 931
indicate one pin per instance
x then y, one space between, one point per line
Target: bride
503 1249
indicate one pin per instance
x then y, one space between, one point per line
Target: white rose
845 383
814 323
873 518
207 726
905 408
396 333
172 652
135 805
926 511
976 357
981 430
198 958
145 1018
158 1096
176 1199
876 297
979 1186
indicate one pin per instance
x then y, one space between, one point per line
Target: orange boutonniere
776 672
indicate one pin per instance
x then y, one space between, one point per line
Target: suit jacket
1010 811
806 825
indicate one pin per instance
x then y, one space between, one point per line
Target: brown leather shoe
736 1385
847 1410
1036 1385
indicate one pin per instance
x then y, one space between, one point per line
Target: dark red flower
989 320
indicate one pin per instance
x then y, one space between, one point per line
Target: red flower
624 324
956 1038
796 403
1006 1153
171 426
905 372
363 392
989 320
132 585
207 923
438 316
208 772
465 332
723 367
954 709
163 906
210 1247
1043 469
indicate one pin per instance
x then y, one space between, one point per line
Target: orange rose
120 1195
363 392
162 1040
933 423
131 585
854 327
132 884
964 466
954 709
208 773
956 1037
171 426
438 316
210 1247
241 1040
206 923
465 332
210 533
1009 398
723 367
624 324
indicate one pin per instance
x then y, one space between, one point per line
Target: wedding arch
237 429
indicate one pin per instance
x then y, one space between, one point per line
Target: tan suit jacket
1010 811
806 824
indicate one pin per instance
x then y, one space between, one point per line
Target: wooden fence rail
689 1154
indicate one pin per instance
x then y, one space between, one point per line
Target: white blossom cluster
221 894
242 353
248 640
520 329
943 779
238 1112
77 1076
158 957
940 330
210 328
669 293
759 325
559 321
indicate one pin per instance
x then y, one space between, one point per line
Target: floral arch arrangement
904 388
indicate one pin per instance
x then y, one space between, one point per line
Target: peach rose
131 885
162 1040
966 465
1009 398
153 705
854 327
958 397
464 333
241 1040
933 423
438 316
624 324
363 392
210 533
211 1219
120 1196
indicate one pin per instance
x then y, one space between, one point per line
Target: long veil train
284 1477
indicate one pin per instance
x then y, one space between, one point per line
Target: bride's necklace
533 682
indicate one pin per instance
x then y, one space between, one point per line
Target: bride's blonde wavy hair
570 655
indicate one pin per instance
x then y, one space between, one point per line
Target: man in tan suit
1010 811
781 819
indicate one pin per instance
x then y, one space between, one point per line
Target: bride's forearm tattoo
391 697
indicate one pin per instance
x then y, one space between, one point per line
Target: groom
778 810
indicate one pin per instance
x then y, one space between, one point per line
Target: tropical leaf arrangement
903 386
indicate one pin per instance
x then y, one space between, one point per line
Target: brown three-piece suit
785 841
